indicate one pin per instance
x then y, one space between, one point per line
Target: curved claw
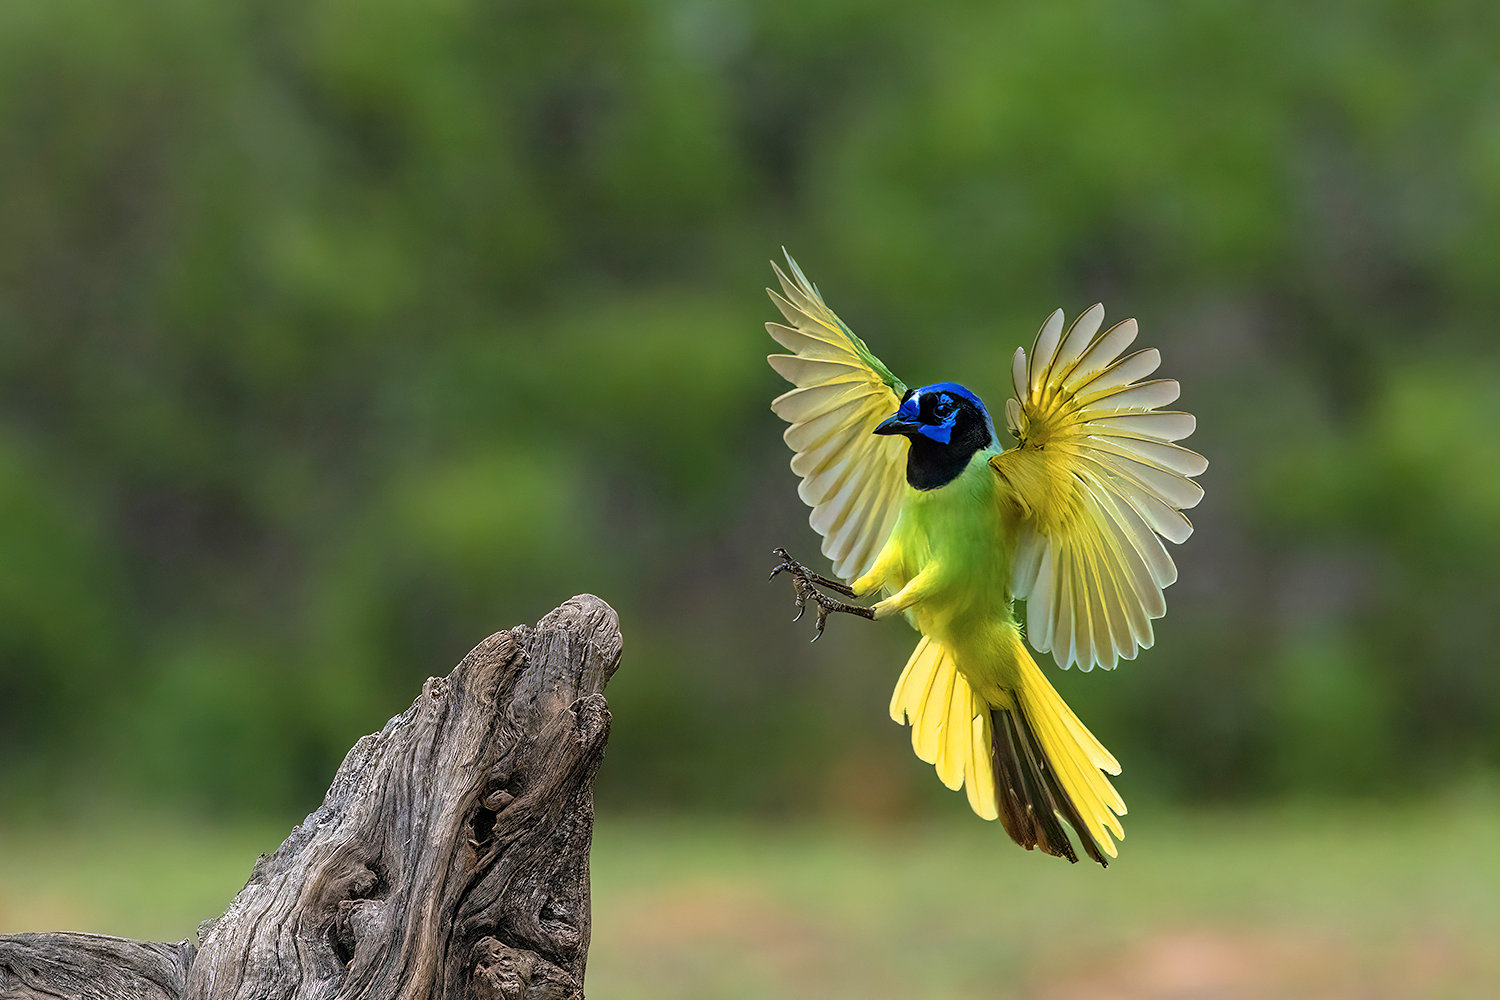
822 617
805 585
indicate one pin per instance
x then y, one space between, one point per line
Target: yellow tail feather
1026 761
1077 761
950 725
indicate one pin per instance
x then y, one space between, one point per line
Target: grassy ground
1352 902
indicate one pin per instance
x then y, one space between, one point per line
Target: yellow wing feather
851 477
1098 481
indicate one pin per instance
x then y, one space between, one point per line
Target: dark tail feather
1031 798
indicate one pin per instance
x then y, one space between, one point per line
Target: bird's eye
943 408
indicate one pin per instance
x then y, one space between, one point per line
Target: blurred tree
333 335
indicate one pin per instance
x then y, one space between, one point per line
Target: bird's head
946 424
946 413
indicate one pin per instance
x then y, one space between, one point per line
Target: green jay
918 500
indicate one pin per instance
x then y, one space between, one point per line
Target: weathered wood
449 859
57 966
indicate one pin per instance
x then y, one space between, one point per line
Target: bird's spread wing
851 477
1098 483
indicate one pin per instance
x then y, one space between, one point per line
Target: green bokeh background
336 335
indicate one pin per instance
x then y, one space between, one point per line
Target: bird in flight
917 499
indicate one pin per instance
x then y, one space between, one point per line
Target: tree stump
449 859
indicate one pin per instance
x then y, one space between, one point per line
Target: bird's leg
788 564
805 583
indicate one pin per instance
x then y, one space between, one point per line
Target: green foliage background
335 335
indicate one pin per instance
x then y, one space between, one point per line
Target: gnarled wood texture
57 966
449 859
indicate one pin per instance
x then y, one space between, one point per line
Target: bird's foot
805 583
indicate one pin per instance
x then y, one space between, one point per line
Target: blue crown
953 388
957 390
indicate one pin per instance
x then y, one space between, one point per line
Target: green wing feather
851 477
